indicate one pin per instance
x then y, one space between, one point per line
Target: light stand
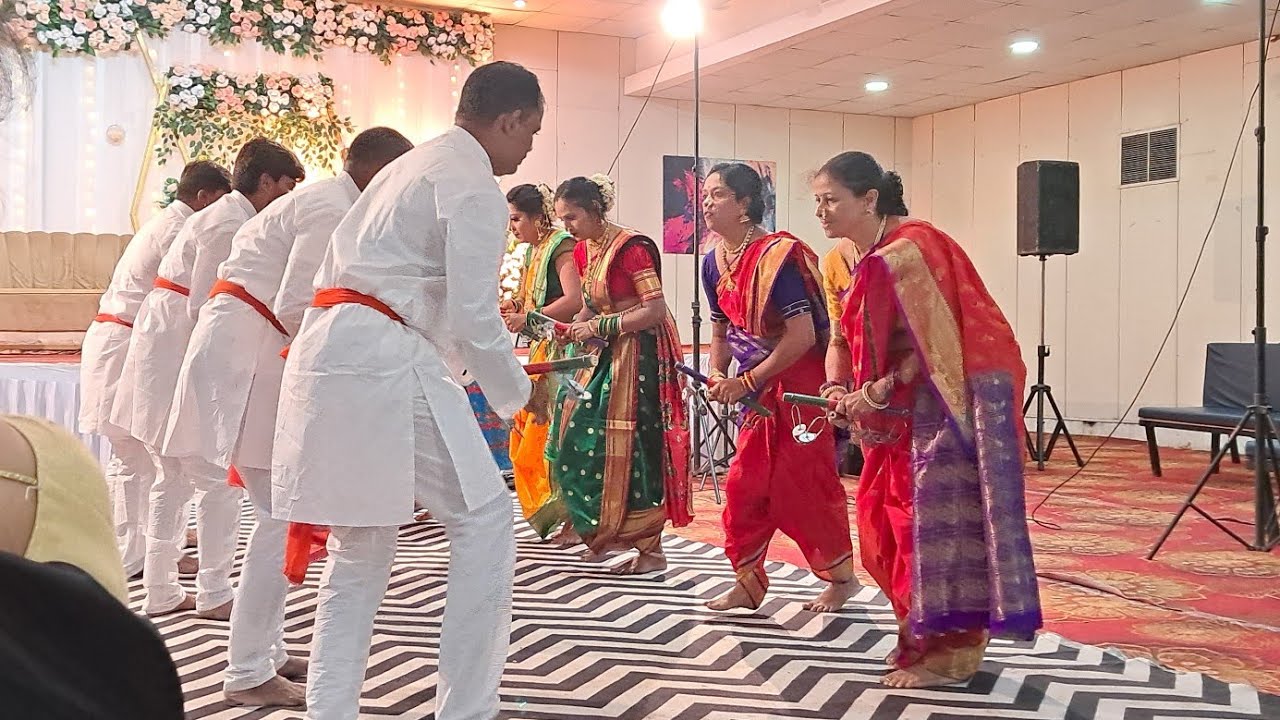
695 443
684 18
1266 525
1040 392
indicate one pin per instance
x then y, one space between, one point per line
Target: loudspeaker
1048 208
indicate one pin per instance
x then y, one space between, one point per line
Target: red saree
775 482
941 511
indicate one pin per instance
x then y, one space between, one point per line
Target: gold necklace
596 251
731 266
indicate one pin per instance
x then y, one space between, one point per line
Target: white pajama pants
130 474
217 528
256 648
476 630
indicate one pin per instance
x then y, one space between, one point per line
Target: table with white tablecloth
50 390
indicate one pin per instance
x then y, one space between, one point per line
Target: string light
89 161
21 129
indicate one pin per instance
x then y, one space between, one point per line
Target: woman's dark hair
860 173
585 193
745 183
527 200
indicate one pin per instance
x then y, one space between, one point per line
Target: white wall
587 118
1109 307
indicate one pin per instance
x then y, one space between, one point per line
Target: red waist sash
236 290
167 284
107 317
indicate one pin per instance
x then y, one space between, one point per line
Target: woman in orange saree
619 458
933 387
768 313
549 285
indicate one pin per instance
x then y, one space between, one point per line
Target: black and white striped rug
586 644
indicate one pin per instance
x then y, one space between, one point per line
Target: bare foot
295 668
892 658
422 516
222 612
276 692
567 537
188 565
833 598
918 677
641 564
188 603
738 597
191 538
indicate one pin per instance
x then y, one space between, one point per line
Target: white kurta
225 402
164 323
425 238
105 344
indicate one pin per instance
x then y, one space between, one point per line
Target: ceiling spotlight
519 4
1024 47
876 86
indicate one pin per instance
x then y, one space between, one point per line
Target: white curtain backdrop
59 173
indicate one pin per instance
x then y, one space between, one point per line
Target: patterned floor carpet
1203 605
589 645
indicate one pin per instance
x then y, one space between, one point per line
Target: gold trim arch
148 151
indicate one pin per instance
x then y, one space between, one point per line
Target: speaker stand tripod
719 444
1266 519
1040 392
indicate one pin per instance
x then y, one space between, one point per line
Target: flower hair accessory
605 183
548 201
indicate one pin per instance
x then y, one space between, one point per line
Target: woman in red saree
933 386
768 313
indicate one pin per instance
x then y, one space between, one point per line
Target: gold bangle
866 395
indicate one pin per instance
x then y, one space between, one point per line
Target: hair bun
607 192
890 201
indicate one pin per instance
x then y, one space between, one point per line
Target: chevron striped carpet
589 645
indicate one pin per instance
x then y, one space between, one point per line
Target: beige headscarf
72 518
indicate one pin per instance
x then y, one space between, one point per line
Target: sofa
50 284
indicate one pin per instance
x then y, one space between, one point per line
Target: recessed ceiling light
1024 47
877 86
519 4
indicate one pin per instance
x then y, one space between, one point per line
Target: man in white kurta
131 470
224 408
371 413
264 171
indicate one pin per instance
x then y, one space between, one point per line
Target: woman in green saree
619 458
549 285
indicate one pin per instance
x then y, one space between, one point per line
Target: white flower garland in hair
607 191
512 268
548 202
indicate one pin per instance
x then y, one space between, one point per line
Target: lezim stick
745 400
564 328
814 400
573 363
